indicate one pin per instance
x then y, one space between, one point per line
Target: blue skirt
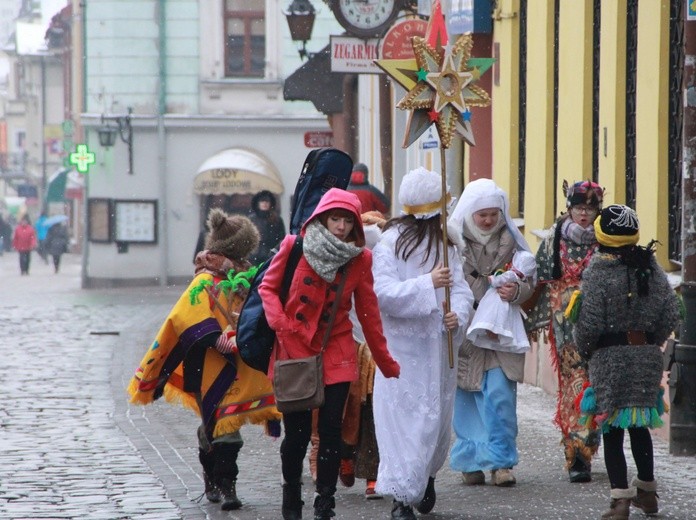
485 424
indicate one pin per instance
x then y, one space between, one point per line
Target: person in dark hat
370 197
628 310
561 259
194 359
270 225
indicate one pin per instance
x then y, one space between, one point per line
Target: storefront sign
318 139
354 55
396 44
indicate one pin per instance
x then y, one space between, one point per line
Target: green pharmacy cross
82 158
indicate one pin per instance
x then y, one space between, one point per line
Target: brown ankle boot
646 498
620 504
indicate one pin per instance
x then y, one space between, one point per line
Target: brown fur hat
233 236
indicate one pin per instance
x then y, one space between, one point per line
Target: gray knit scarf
574 232
324 252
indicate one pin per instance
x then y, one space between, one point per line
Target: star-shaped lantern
441 85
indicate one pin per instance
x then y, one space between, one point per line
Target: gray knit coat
624 376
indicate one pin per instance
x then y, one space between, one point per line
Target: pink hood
337 198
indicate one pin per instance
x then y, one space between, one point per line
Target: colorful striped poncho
232 394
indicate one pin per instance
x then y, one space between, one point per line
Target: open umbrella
55 219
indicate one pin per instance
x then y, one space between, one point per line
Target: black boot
292 501
401 511
426 505
228 494
324 506
211 492
579 471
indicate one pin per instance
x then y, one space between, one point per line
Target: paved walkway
71 447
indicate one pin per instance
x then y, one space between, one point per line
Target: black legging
298 429
615 460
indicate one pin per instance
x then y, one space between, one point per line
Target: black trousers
24 261
298 429
615 460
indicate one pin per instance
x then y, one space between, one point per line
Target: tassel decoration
573 309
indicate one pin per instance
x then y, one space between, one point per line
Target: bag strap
290 266
334 308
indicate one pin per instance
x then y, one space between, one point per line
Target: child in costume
498 324
561 259
627 311
194 362
413 414
334 260
485 405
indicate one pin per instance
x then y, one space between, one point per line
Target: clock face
367 18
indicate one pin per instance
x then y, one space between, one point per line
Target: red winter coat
299 330
24 238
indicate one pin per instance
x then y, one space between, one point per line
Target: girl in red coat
24 242
333 239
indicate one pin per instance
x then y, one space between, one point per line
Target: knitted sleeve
591 318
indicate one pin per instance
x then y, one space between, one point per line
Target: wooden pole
445 241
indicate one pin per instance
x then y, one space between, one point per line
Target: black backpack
255 338
323 169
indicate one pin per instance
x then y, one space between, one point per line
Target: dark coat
57 240
270 225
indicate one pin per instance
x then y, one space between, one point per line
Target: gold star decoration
441 88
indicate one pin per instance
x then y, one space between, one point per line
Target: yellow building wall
574 159
505 107
652 101
539 189
612 101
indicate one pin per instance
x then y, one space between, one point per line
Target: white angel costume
502 318
413 414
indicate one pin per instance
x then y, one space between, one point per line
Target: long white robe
413 414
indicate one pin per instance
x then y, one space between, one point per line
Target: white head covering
525 263
482 194
420 193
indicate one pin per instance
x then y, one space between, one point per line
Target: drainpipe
683 372
162 144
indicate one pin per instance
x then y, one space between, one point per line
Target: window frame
247 18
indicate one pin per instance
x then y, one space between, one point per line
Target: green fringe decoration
235 280
682 307
195 292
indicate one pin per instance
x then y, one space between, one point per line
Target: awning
315 82
237 170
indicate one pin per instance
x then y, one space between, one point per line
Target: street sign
318 139
355 55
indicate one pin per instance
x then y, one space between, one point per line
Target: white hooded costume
413 414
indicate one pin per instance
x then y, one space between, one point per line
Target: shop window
245 38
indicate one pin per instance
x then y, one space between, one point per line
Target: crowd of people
49 238
421 339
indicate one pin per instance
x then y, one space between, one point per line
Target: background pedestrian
370 197
270 225
24 242
56 243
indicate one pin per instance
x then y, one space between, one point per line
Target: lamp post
107 134
300 16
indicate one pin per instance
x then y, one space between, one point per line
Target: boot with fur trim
646 499
620 505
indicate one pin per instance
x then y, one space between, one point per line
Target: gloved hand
227 342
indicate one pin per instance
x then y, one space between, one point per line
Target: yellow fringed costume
231 393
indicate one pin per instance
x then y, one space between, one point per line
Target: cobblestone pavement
71 447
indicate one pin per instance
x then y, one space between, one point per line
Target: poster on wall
99 220
135 221
691 10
